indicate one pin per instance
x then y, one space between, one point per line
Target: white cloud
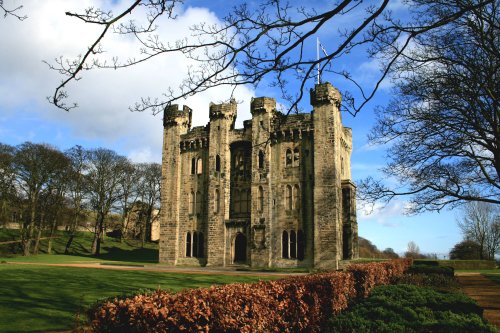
103 96
382 214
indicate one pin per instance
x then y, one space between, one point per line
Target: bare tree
412 250
103 184
443 123
149 191
36 166
12 11
76 183
480 223
264 42
7 178
129 193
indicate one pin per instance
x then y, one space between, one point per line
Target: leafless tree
103 185
76 188
264 42
36 167
480 223
7 178
149 191
12 11
129 193
412 250
443 124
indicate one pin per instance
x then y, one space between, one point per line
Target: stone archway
240 248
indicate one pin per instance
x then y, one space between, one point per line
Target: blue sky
103 118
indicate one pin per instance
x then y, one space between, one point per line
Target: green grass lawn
36 298
493 277
41 298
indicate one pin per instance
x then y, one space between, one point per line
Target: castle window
342 166
198 202
300 245
188 244
260 200
288 158
261 159
191 207
296 197
217 163
296 157
236 201
199 166
195 244
284 245
244 201
200 245
193 165
288 198
216 201
293 244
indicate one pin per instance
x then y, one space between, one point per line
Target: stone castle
276 193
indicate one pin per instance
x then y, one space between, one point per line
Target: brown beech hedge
297 303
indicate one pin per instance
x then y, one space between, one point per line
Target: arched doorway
240 248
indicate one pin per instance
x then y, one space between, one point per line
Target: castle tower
175 123
222 119
262 109
327 194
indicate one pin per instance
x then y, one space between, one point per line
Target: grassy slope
37 298
111 250
40 298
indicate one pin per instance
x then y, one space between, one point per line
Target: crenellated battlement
325 93
223 110
262 104
173 116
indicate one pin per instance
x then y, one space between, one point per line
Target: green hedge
407 308
425 269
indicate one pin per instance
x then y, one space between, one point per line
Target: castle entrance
240 248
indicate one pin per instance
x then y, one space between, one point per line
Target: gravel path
485 292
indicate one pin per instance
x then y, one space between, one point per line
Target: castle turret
327 195
222 119
175 123
262 109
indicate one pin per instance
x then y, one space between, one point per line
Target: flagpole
317 58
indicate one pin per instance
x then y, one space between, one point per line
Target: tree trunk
26 238
96 244
37 241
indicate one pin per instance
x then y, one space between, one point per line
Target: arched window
296 197
216 201
191 203
288 158
301 244
260 201
193 165
288 197
199 166
201 244
217 163
261 159
195 244
293 244
296 157
198 202
284 245
188 244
